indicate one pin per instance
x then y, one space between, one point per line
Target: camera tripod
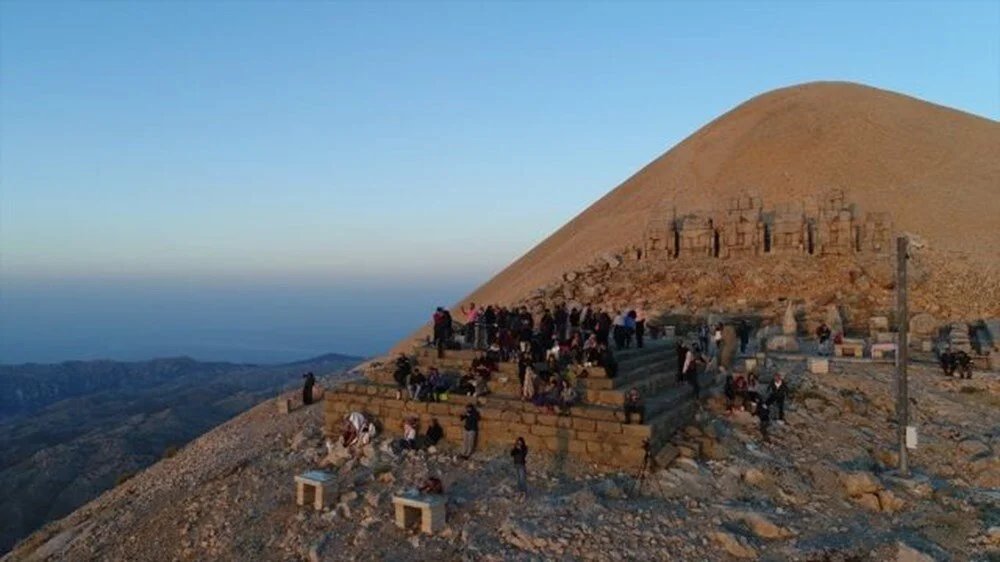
643 476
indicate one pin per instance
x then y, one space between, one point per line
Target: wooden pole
902 392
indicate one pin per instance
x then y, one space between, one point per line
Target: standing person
619 332
307 388
717 341
823 335
681 359
764 415
744 335
470 421
729 388
776 393
434 432
640 327
471 317
629 327
449 327
691 362
439 331
520 455
562 319
574 321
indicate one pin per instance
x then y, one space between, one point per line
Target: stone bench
318 483
880 350
284 405
428 510
818 366
849 348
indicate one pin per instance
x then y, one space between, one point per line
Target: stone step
650 380
350 391
590 432
461 359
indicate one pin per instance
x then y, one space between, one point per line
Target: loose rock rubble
823 489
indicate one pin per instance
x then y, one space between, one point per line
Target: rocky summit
777 219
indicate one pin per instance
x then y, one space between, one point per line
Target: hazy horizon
244 322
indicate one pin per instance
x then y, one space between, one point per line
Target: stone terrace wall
604 441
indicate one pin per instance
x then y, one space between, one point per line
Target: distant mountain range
68 431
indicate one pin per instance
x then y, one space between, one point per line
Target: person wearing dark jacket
307 388
434 433
520 455
440 331
764 415
470 423
777 391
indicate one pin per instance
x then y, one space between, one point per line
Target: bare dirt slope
936 169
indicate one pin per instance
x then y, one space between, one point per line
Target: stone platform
593 430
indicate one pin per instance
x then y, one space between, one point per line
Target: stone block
428 510
439 409
314 487
926 345
788 343
818 365
886 337
850 348
544 430
881 350
547 419
750 364
878 324
609 427
284 405
637 431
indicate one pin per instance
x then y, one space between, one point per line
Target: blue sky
343 140
177 175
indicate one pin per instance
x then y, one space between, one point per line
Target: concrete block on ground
316 487
819 365
428 510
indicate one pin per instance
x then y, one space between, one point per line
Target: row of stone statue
746 229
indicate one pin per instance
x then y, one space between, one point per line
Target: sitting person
467 384
576 349
567 398
546 397
740 385
348 435
493 354
409 434
963 364
417 384
479 386
552 354
401 374
435 432
432 486
633 405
